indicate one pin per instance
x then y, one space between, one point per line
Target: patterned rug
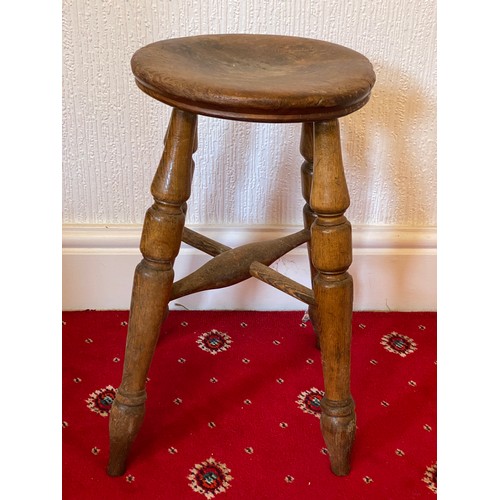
233 408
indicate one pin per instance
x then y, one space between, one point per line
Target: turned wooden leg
331 251
307 151
161 239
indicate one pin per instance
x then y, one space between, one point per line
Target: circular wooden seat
265 78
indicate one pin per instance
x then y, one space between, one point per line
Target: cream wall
113 133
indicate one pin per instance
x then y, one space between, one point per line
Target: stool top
264 78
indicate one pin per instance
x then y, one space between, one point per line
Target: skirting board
394 268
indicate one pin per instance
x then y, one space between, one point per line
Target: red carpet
232 408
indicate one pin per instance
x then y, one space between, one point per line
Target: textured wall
113 133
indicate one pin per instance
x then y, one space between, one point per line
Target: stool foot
125 422
338 425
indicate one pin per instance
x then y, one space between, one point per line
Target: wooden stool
259 78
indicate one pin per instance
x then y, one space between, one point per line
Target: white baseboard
394 268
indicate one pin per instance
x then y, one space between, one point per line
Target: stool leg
331 250
306 150
161 239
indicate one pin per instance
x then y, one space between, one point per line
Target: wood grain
306 176
265 78
203 243
331 251
277 280
233 266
